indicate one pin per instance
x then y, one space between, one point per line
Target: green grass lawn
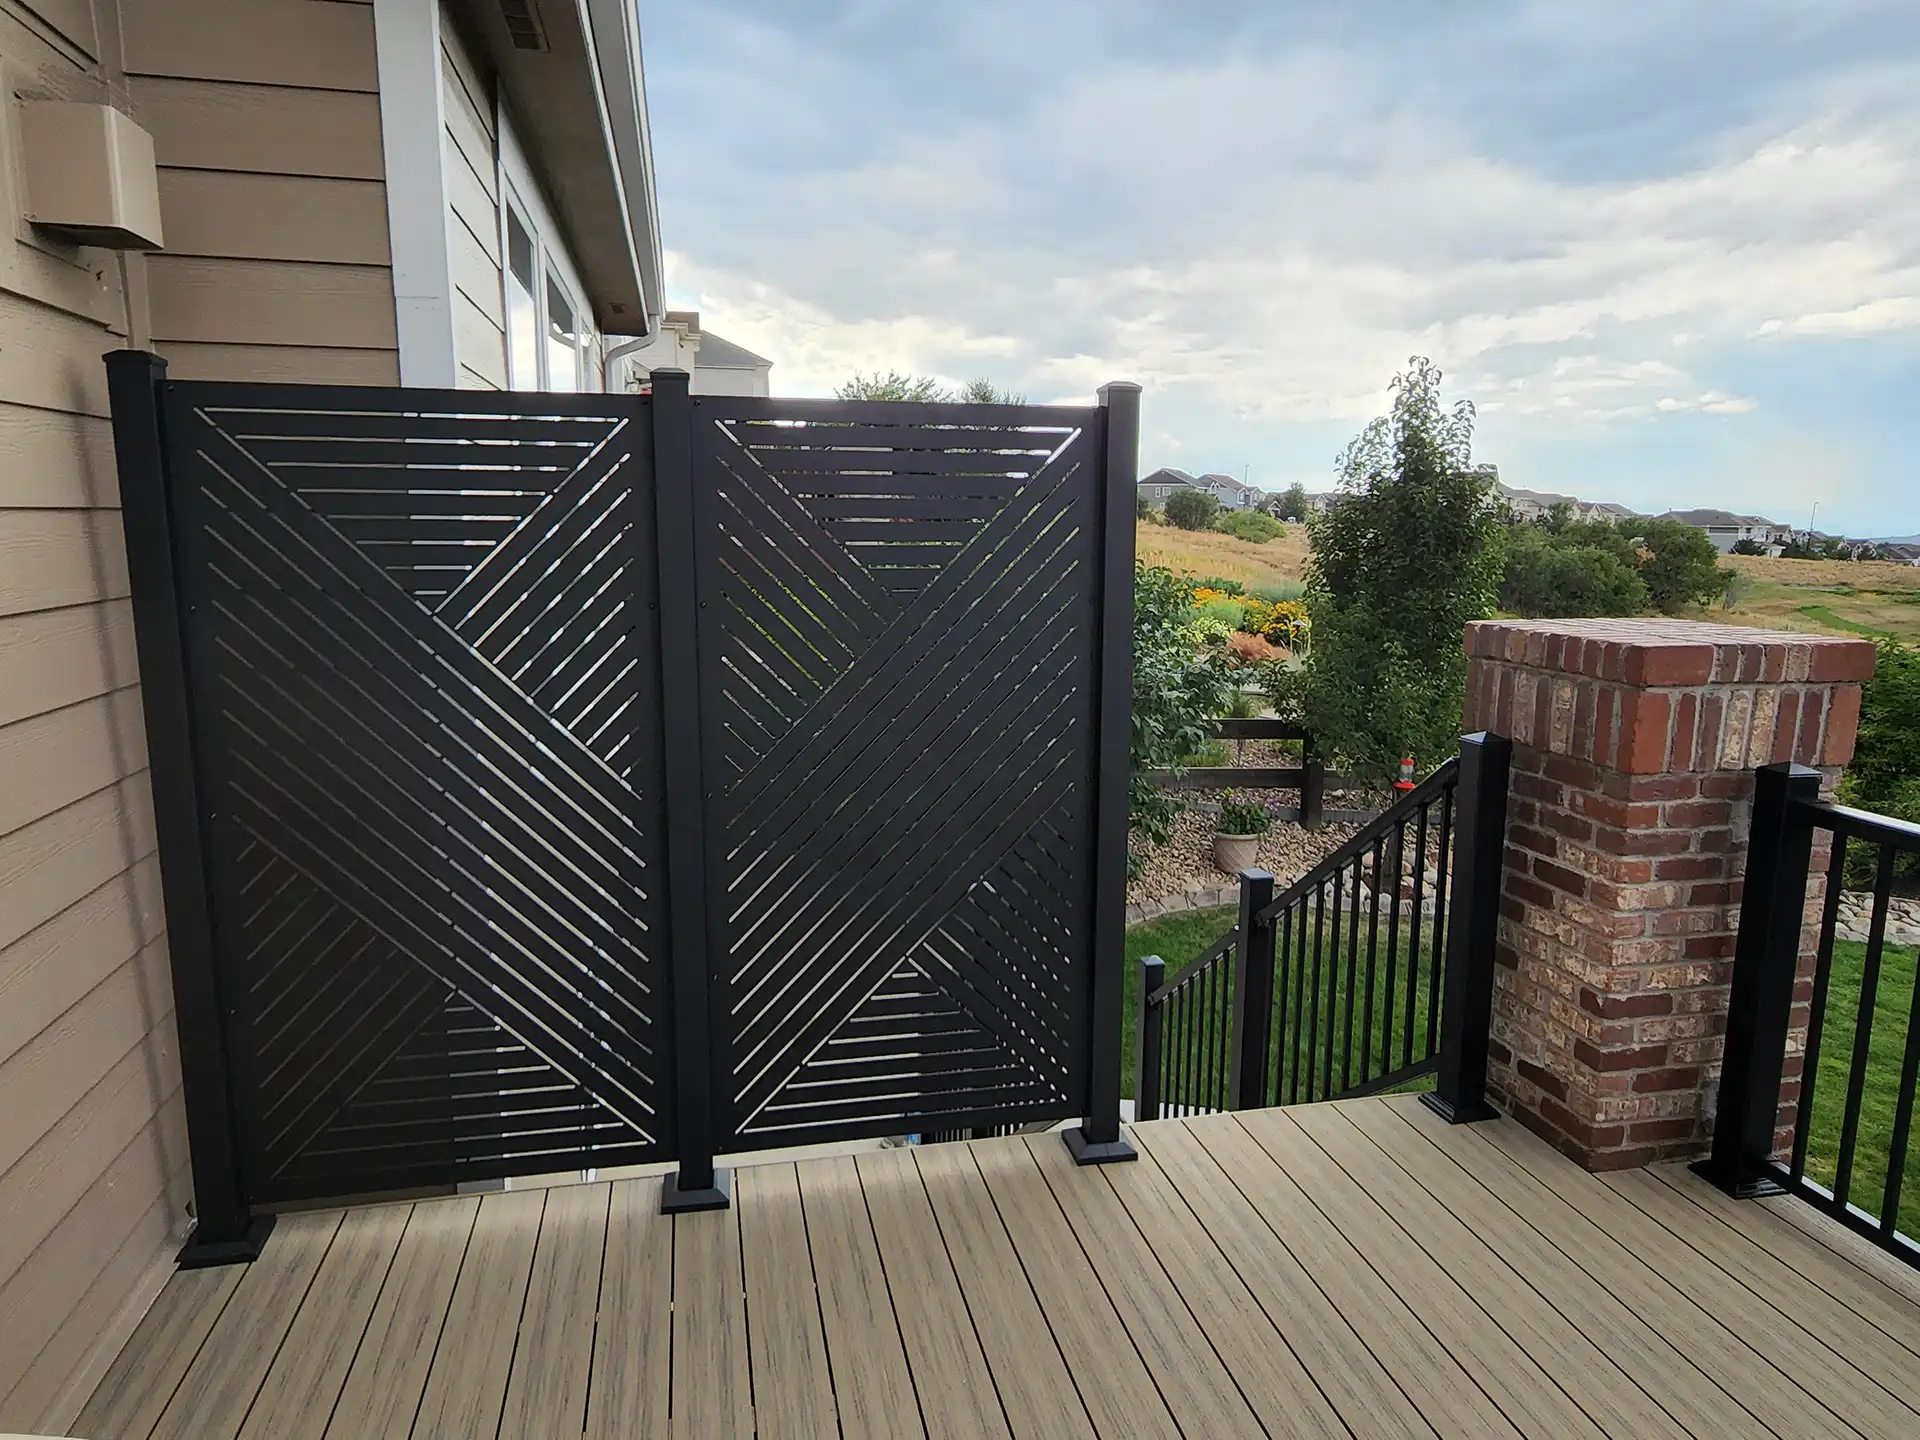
1179 939
1893 1000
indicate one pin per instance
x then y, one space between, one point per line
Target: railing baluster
1817 1015
1146 1090
1413 940
1353 978
1333 983
1284 959
1313 989
1440 901
1299 1003
1902 1110
1249 1031
1393 945
1373 945
1863 1025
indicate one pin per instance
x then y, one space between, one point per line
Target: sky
1671 251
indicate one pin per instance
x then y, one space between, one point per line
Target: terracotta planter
1234 853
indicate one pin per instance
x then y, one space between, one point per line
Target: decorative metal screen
898 642
423 663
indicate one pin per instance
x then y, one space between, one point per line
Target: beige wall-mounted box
90 174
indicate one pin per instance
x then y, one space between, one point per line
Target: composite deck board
632 1375
1898 1276
1121 1395
221 1384
297 1398
1493 1265
1446 1394
956 1390
1360 1268
547 1393
382 1393
1823 1373
786 1339
1354 1381
868 1362
468 1379
1670 1346
1198 1386
1037 1391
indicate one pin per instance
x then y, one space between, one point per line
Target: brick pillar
1634 748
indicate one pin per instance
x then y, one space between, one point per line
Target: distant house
1538 504
717 366
1902 552
1231 494
1727 529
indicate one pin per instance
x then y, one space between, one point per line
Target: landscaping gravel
1184 865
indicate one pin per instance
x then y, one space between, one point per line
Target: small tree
1399 566
1191 509
1142 505
1884 774
1680 565
1290 504
985 392
1746 545
1177 687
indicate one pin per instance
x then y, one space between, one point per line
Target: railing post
1766 964
1313 787
1097 1139
697 1185
1249 1032
1479 852
1146 1088
224 1233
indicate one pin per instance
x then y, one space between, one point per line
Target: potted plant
1236 839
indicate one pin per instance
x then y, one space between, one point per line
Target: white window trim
516 179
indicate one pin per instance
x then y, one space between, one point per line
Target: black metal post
1146 1089
1766 963
225 1233
1313 787
1097 1139
697 1185
1479 850
1250 1028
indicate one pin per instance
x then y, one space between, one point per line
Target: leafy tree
1178 685
984 392
1191 509
1745 546
1290 504
1142 505
1680 565
892 386
1884 775
1398 568
1544 576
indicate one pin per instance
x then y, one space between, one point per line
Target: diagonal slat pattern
898 647
425 668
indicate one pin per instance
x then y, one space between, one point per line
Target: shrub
1291 504
1221 610
1240 704
1142 505
1244 817
1249 525
1191 509
1285 685
1399 566
1542 578
1681 567
1177 689
1224 586
1286 590
1748 547
1248 649
1884 775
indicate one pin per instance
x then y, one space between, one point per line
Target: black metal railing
1371 971
1837 1129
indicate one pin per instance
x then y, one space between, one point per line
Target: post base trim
1758 1188
677 1201
198 1254
1453 1114
1098 1152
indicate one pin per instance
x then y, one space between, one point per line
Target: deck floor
1353 1269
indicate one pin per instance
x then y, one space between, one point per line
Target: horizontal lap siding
267 129
473 216
266 123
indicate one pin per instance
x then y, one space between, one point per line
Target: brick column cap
1652 653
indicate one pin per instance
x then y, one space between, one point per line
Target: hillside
1209 553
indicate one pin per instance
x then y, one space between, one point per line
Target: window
563 339
523 305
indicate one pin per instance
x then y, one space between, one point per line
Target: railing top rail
1262 728
1861 824
1444 778
1215 953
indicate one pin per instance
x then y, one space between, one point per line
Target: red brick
1605 705
1706 745
1691 867
1626 1007
1679 1077
1538 1075
1662 787
1710 947
1570 826
1712 894
1728 785
1560 877
1583 706
1697 814
1640 1057
1669 664
1680 1127
1806 747
1644 718
1842 660
1684 720
1528 838
1843 724
1786 721
1520 887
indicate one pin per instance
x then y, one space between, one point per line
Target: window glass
523 306
563 339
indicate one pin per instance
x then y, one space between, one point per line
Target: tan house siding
473 215
93 1156
266 123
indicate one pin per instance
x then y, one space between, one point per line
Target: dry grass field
1828 597
1209 553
